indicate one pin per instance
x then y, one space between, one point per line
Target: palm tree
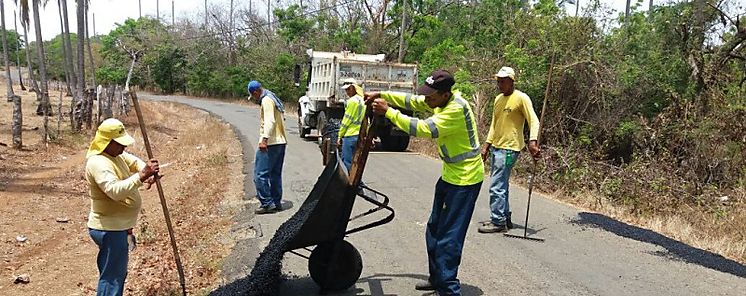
70 66
24 10
93 72
81 103
17 115
64 48
18 56
42 69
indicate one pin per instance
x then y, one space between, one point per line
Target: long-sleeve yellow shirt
271 125
112 186
508 117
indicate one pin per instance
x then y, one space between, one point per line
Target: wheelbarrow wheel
335 266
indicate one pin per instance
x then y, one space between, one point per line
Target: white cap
506 72
347 82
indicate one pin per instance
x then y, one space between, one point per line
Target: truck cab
324 98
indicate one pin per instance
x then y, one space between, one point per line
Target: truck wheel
335 266
320 124
396 143
302 132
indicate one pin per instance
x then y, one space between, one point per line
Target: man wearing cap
350 127
455 130
113 178
270 156
503 145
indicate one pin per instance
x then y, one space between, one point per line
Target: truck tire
394 142
302 132
320 123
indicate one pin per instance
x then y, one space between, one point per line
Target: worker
270 154
113 178
454 127
350 127
503 145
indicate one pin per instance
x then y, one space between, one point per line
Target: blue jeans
446 230
268 175
502 161
348 150
113 253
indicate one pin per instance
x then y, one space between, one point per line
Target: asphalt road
584 253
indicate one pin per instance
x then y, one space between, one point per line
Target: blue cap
254 85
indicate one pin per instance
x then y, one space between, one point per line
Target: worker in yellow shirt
113 178
350 127
454 127
270 155
504 143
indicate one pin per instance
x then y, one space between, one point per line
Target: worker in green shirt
454 127
350 127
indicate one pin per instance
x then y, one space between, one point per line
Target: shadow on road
375 284
676 249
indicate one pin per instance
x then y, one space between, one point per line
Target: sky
110 12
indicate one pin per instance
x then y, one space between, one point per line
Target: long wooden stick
179 267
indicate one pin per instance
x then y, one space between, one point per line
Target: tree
17 51
12 97
82 101
46 106
24 9
69 63
93 75
67 75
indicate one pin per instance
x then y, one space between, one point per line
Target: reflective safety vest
354 113
454 128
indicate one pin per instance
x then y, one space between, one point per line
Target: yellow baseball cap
109 130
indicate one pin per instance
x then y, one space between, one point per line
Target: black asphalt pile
266 275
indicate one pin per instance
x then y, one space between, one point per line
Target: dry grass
203 187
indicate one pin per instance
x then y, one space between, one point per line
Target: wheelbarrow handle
381 205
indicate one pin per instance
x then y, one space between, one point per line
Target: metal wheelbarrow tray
335 264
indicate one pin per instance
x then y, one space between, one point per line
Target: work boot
509 224
424 286
492 228
266 210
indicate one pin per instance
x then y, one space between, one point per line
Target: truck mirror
296 75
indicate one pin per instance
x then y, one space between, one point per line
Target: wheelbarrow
334 263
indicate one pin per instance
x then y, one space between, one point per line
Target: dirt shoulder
45 200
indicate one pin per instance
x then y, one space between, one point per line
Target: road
584 253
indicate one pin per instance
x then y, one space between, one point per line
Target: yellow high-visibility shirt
508 117
271 125
354 112
112 186
454 128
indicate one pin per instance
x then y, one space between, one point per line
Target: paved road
584 253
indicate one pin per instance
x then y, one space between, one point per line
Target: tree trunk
17 115
80 104
69 64
89 117
6 60
64 48
18 57
29 67
42 70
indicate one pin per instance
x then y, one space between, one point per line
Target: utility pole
401 31
139 7
173 20
206 14
158 10
269 16
577 7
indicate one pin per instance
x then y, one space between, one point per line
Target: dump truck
324 99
